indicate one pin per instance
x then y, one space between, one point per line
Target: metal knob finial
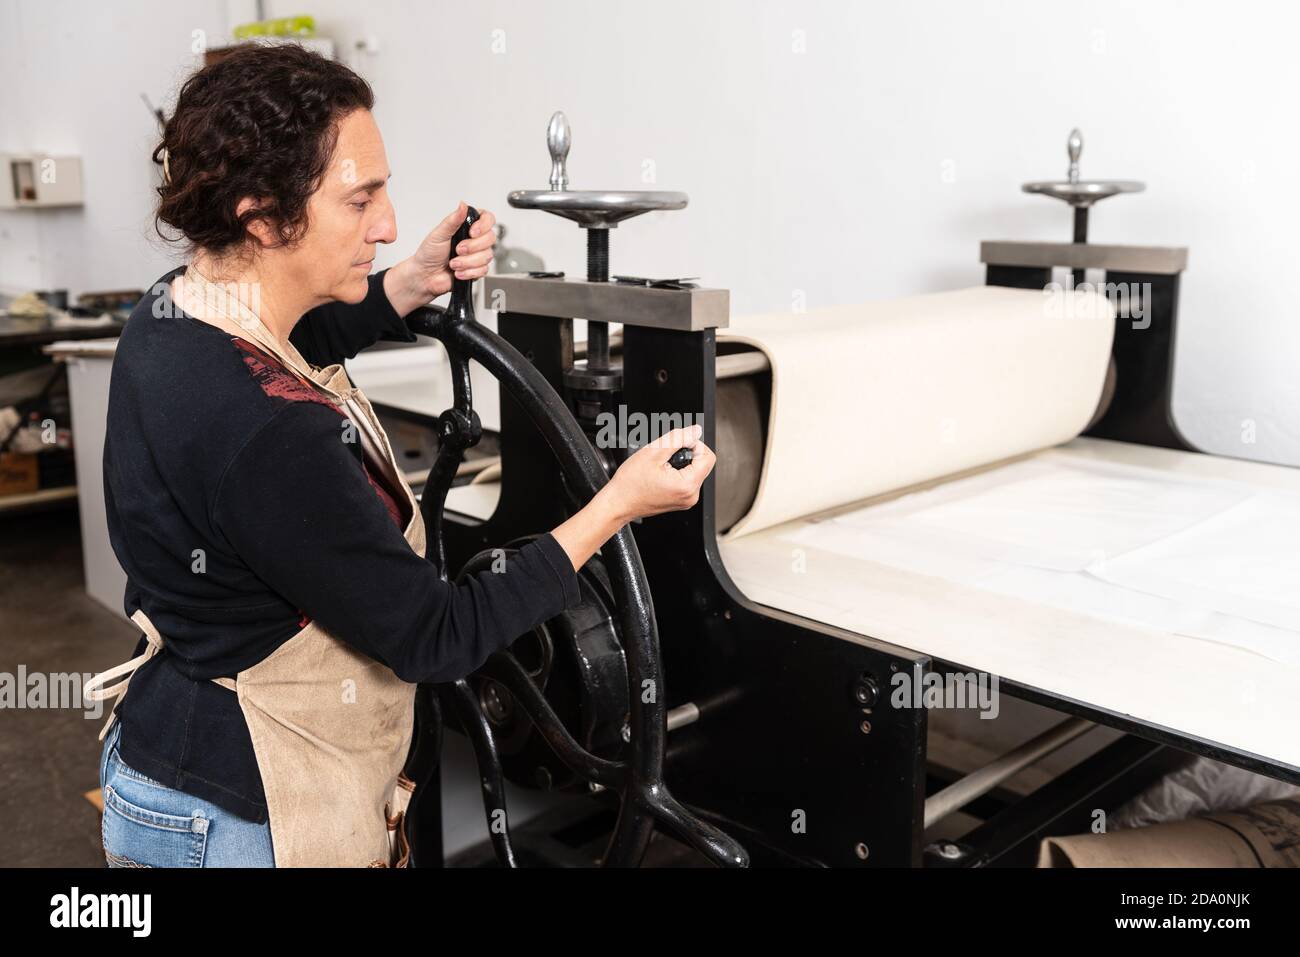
1074 146
558 141
597 209
1078 192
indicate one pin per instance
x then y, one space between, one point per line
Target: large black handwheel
644 800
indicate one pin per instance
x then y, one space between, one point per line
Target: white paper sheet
1152 583
1243 562
1204 557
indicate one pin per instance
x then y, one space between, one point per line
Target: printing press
981 489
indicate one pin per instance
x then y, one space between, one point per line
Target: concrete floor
49 757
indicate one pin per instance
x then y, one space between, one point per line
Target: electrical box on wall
37 181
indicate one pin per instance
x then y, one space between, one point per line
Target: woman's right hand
646 484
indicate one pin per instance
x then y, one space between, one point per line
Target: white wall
868 165
71 75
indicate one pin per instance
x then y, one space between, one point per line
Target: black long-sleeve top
239 514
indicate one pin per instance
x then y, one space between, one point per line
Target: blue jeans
147 824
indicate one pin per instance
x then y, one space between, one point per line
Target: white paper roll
875 397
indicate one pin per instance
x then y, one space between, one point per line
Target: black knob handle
462 298
681 458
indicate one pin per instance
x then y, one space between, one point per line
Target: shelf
41 497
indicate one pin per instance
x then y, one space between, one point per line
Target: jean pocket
115 767
146 825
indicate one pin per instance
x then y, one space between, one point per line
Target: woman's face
347 216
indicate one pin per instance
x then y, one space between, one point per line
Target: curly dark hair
260 122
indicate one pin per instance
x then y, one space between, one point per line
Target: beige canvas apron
330 726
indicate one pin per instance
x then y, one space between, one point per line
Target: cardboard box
19 472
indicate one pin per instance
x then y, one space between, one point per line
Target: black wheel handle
644 797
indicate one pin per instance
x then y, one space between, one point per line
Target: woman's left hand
431 269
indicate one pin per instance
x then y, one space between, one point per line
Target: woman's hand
429 272
645 484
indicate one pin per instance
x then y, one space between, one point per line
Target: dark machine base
1011 828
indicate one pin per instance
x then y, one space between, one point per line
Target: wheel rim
644 798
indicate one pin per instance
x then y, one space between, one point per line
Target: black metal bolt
949 851
866 692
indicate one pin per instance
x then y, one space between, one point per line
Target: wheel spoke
505 668
489 768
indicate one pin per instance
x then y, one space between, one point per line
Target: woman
272 548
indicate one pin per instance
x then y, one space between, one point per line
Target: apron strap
227 312
98 689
